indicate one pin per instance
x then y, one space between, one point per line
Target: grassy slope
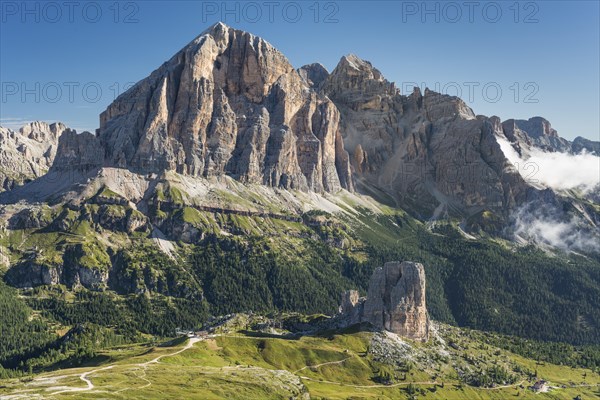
523 288
237 366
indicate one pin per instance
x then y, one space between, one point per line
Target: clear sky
66 61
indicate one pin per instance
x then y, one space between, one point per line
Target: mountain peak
228 103
351 62
355 78
217 26
40 130
354 60
313 74
29 152
536 127
536 131
219 30
580 144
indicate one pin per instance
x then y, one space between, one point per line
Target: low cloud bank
558 171
551 227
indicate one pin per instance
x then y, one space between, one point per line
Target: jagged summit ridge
429 151
228 103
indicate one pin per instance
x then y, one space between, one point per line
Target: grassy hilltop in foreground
242 364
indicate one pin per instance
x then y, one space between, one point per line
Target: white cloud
567 171
559 171
571 235
542 226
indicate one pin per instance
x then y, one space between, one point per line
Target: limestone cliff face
395 301
228 103
77 152
428 151
29 274
27 153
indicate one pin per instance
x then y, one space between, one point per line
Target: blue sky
62 62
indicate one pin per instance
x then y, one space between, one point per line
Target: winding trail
322 364
504 386
83 377
156 360
188 346
90 385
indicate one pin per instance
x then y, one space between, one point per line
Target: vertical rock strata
228 104
395 301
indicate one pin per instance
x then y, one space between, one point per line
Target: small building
540 386
182 332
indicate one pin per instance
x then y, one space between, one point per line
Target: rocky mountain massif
229 104
227 181
395 301
430 151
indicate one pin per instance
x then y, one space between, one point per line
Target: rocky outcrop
395 301
29 274
32 274
351 308
81 265
29 218
228 104
27 153
90 278
120 219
